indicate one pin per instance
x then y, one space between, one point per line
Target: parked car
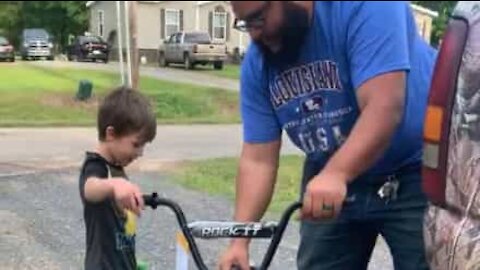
451 172
7 52
88 48
36 43
192 48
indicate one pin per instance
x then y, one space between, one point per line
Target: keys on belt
389 190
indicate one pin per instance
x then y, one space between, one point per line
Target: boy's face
124 149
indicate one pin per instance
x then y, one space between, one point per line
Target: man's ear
109 133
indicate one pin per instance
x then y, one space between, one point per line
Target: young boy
126 123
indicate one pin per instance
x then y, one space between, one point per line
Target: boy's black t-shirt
111 231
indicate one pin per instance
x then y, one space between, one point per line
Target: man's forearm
256 177
255 184
368 140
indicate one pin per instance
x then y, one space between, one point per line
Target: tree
444 9
9 23
60 19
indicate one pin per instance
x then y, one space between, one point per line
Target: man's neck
308 5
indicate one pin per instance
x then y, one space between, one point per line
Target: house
157 20
424 18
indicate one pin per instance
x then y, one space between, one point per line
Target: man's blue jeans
347 242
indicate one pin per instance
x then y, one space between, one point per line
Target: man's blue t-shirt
314 99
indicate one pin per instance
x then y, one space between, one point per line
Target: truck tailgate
210 49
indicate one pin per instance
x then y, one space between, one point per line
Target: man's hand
127 195
324 196
236 256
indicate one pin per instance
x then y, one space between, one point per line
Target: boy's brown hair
127 111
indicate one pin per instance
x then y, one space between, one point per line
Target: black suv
88 48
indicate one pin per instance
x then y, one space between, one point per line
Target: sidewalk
52 146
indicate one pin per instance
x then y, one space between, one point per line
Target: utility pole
127 43
135 58
119 43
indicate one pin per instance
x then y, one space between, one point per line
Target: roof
91 3
423 10
200 3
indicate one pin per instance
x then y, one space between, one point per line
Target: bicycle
220 229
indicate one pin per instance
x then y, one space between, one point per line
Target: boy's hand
127 195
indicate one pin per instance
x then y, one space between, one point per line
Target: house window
219 25
172 22
101 23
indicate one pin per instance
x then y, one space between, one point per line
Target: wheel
12 59
105 60
188 62
51 58
218 65
162 61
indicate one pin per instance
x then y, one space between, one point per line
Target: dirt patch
154 166
59 100
227 107
229 110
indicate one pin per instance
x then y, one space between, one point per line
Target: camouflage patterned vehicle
451 170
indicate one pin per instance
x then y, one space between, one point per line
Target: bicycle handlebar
216 229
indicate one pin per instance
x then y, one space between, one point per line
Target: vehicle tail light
439 110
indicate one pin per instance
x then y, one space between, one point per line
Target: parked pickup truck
191 48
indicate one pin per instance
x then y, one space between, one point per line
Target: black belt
402 171
387 186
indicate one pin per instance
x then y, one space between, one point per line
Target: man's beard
292 35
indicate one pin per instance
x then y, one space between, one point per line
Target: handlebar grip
150 200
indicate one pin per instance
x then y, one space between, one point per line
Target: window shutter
210 24
227 27
181 20
162 23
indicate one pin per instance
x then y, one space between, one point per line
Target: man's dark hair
127 111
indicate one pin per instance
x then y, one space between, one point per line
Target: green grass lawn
39 96
217 176
229 71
